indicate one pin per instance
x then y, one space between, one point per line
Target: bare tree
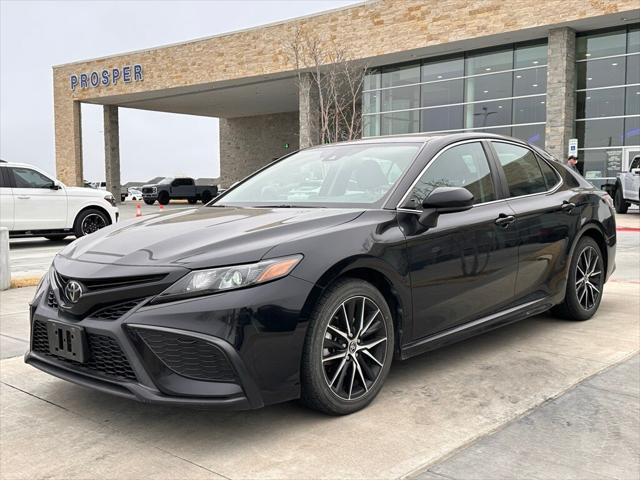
336 82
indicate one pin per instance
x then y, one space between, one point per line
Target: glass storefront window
371 125
632 131
599 164
371 102
442 69
633 69
400 98
632 106
530 109
445 118
530 55
633 40
533 134
488 86
403 75
601 44
497 130
397 123
442 93
530 82
608 102
489 62
601 73
488 114
600 133
372 80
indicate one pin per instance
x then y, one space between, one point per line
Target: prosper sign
106 77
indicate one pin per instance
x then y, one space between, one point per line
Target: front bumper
237 350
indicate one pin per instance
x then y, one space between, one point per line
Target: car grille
93 285
105 355
147 190
189 356
114 312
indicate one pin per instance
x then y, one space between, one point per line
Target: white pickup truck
627 190
34 203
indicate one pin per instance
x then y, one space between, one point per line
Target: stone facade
561 91
375 28
249 143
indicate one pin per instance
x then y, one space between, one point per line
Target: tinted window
4 178
549 174
635 163
461 166
27 178
521 168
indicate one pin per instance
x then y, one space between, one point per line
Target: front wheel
89 221
149 201
585 282
619 203
348 349
163 198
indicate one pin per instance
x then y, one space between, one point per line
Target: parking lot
545 398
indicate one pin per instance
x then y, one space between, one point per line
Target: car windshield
165 180
338 175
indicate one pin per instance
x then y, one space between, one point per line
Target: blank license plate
67 341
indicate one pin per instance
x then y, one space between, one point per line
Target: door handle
567 206
24 197
505 220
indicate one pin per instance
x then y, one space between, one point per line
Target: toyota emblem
73 291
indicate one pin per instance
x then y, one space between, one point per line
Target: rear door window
521 168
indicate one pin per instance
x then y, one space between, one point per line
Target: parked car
409 244
182 188
627 189
32 202
134 194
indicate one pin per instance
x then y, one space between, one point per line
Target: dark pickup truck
182 188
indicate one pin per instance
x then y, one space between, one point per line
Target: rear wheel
163 198
348 348
206 196
89 221
619 203
585 283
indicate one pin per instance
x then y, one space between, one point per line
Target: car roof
4 163
426 137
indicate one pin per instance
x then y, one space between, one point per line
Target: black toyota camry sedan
309 277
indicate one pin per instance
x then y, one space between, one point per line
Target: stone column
309 111
112 150
68 131
561 91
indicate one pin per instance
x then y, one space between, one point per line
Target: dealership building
546 72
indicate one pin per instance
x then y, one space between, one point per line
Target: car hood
86 192
204 237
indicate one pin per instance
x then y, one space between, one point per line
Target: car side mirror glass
635 171
444 200
54 186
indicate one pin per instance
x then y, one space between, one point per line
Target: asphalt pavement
542 398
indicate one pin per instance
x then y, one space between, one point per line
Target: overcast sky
34 35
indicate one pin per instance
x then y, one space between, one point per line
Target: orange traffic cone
161 207
138 211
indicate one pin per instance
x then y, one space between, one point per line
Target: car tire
163 198
618 201
149 201
338 375
206 196
55 238
581 300
89 221
192 201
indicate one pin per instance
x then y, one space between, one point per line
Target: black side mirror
444 200
54 186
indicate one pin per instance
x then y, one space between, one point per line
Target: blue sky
34 35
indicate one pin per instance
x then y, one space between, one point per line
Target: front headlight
109 198
204 282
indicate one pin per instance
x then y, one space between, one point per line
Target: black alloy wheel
585 282
163 198
349 348
89 221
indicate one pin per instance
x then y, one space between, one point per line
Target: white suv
628 187
33 202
